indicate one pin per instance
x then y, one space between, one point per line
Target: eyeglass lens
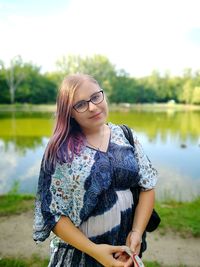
83 105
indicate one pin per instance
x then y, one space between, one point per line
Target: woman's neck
94 131
99 138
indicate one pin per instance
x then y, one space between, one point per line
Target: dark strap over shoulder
154 220
135 190
128 134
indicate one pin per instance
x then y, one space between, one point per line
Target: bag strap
128 134
135 190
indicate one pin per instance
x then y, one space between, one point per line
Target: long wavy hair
67 138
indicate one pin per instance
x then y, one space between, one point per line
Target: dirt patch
169 249
16 237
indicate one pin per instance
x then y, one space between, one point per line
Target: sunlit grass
182 217
34 261
28 107
15 204
156 264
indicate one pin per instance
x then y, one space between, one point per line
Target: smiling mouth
94 116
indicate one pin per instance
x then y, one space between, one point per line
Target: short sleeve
44 219
147 173
60 192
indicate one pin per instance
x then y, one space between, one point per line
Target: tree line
23 82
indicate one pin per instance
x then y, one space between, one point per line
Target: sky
138 36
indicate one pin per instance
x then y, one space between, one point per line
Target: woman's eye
80 105
95 98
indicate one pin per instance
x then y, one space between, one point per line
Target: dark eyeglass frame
90 100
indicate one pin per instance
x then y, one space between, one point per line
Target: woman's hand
104 255
133 241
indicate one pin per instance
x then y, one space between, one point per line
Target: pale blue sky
137 35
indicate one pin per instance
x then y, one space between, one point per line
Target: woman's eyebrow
85 99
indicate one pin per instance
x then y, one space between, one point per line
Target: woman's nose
91 106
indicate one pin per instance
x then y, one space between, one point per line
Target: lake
170 138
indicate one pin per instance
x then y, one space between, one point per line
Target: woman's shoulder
117 128
113 126
117 135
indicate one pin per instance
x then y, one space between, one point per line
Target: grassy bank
37 262
15 204
20 262
181 217
112 107
28 107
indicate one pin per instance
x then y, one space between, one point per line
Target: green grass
34 261
112 106
15 204
182 217
156 264
28 107
151 264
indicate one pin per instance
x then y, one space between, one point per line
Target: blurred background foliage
22 82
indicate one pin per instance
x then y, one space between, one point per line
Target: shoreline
126 107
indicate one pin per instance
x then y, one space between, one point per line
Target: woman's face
95 115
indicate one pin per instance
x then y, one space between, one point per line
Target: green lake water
171 139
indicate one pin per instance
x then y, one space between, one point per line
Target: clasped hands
133 244
120 256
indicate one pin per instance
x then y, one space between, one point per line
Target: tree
14 75
196 95
4 93
98 66
187 92
36 87
126 90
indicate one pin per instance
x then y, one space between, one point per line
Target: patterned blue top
94 192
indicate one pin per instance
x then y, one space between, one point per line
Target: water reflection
179 170
171 140
22 166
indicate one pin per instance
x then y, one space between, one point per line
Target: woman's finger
129 263
118 263
124 257
117 254
116 249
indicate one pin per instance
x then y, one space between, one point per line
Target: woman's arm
143 211
141 218
103 253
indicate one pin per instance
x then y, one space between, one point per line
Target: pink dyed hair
67 138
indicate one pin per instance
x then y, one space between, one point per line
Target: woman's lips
95 116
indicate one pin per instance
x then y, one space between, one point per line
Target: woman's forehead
85 90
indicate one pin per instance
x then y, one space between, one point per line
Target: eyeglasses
83 105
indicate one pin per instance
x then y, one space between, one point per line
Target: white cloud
136 35
32 171
8 164
173 184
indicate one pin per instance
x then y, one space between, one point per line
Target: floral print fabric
94 188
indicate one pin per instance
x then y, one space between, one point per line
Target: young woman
86 174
